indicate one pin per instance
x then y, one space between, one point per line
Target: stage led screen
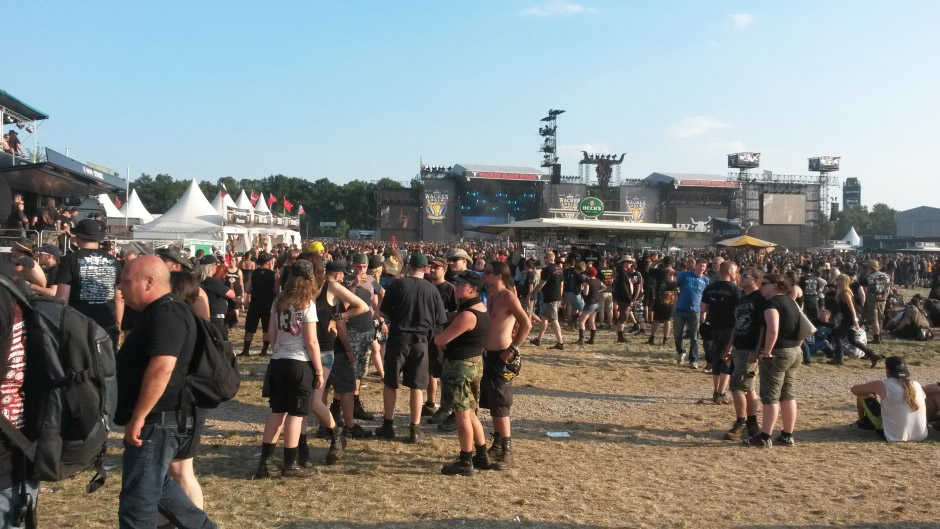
784 209
398 217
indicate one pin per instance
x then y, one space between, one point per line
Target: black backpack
70 386
213 372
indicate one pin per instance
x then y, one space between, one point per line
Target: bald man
151 375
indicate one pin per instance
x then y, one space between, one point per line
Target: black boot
265 468
481 461
650 341
303 452
337 446
505 460
359 413
244 352
495 451
590 340
462 466
291 468
620 337
264 348
580 337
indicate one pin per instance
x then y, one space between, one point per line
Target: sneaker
680 358
559 346
459 467
429 409
295 471
337 449
439 416
724 399
693 365
265 470
360 414
708 370
357 432
449 424
757 441
415 435
735 433
536 342
785 440
386 431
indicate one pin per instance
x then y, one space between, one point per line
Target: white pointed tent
852 238
192 218
244 203
261 206
222 202
134 209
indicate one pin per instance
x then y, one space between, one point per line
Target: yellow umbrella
745 241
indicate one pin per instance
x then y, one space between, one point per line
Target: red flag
301 211
223 194
271 200
117 202
254 197
288 206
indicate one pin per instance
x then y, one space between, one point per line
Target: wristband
320 374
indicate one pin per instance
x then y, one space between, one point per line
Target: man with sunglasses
441 416
457 262
748 314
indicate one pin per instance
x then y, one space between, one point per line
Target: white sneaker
680 358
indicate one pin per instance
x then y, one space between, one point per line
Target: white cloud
741 20
696 126
557 7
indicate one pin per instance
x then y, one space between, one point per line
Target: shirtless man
500 361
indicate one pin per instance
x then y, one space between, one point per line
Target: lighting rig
749 205
549 147
825 165
605 163
434 171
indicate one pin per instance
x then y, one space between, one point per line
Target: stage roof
21 108
505 172
59 177
638 229
690 179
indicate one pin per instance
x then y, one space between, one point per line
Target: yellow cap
316 246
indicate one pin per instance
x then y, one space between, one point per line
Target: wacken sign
700 226
591 206
569 203
437 205
636 206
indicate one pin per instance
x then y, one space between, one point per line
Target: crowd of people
448 321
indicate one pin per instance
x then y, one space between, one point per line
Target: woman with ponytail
895 406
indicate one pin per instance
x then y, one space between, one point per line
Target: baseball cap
460 253
209 259
335 266
418 260
360 258
302 268
316 246
90 229
264 257
896 366
49 249
24 261
469 277
376 261
439 261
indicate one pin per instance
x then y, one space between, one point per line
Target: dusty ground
642 453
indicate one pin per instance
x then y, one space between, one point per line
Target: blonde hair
299 292
910 394
842 287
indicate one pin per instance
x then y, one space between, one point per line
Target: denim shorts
13 503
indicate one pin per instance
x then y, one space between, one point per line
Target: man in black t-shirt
718 301
151 374
748 315
442 415
624 294
413 308
87 279
550 287
262 286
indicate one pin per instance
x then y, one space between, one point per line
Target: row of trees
879 220
351 205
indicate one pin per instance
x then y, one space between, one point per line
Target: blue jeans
13 504
146 488
690 319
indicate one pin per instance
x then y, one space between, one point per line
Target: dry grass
641 454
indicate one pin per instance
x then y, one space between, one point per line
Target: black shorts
407 355
255 313
435 360
291 387
495 390
649 297
663 312
343 374
190 447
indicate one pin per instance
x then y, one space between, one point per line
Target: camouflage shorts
460 383
361 344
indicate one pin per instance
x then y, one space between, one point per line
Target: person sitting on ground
911 323
895 406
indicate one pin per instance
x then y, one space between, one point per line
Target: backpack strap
17 438
15 291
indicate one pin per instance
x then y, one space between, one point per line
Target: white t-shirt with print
290 332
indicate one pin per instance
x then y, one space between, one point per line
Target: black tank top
325 313
471 343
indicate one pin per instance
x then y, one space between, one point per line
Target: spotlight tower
749 201
549 148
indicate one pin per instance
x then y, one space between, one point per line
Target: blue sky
346 90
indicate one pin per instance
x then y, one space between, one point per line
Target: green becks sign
591 206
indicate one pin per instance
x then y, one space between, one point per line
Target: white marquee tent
134 209
192 218
852 238
222 202
244 203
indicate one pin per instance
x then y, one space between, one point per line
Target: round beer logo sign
591 206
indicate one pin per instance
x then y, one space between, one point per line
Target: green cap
418 260
360 258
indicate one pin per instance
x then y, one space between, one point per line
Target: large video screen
784 209
398 217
